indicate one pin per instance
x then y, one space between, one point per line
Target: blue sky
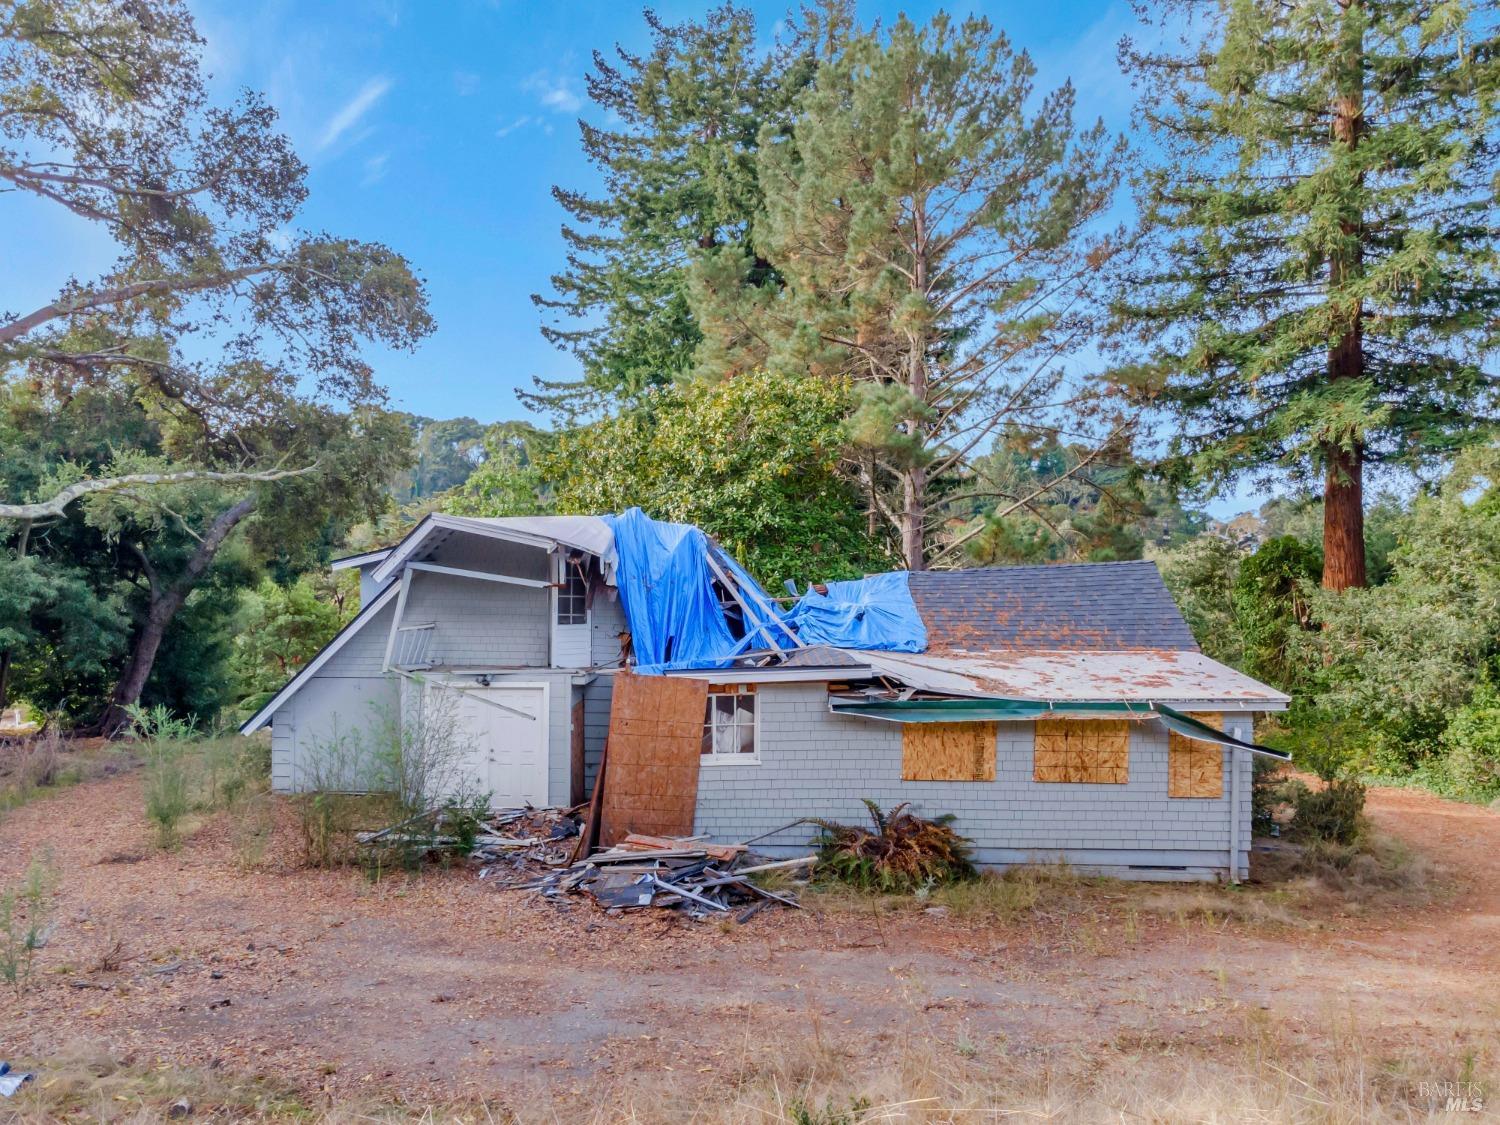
440 126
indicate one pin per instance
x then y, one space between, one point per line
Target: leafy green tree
283 627
1272 609
1201 574
445 451
1320 289
508 483
1401 658
677 157
223 345
753 461
933 227
1101 512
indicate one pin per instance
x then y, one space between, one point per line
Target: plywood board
1093 751
948 751
1195 768
655 739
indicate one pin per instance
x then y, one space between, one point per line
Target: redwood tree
1319 290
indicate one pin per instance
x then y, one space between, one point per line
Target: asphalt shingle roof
1077 606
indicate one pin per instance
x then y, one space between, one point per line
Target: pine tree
933 225
678 162
1321 286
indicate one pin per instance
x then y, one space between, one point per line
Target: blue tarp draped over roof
873 613
666 584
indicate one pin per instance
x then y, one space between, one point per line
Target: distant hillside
448 450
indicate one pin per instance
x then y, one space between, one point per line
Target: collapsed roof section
1081 634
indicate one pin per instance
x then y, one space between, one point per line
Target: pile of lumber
675 872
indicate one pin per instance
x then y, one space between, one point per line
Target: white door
508 728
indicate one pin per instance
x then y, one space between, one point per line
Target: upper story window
731 725
572 596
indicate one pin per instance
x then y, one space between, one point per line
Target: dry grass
33 766
1265 1073
1259 1079
1375 873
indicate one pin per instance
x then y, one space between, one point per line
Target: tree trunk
914 477
132 681
1343 490
163 608
1343 519
914 517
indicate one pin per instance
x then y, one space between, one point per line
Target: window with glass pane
572 598
729 725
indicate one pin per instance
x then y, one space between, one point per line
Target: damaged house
1061 713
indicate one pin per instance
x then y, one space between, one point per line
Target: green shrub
904 852
1470 761
166 791
1333 814
166 783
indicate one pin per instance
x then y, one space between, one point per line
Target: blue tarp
873 613
666 585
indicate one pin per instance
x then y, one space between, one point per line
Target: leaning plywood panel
655 739
948 751
1195 768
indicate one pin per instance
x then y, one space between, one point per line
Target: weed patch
25 923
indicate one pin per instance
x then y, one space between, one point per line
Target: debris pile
684 873
519 838
533 835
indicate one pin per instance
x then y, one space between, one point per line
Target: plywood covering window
1082 750
1195 768
948 751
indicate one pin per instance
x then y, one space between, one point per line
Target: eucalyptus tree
229 338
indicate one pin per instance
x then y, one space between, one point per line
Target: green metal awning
993 710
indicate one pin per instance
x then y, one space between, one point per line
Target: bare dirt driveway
1071 999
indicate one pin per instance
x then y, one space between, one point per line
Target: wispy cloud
519 123
465 82
556 93
375 169
353 111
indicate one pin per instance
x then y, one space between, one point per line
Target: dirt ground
439 989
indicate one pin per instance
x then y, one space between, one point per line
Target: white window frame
713 758
578 635
566 574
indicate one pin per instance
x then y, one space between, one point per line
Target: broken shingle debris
684 873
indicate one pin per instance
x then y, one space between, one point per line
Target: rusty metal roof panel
1172 676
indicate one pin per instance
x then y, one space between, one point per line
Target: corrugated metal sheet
1138 675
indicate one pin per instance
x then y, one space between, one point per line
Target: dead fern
903 852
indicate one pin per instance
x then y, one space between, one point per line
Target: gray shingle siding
1089 606
347 696
607 617
814 764
479 624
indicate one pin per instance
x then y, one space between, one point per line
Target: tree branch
55 506
93 299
